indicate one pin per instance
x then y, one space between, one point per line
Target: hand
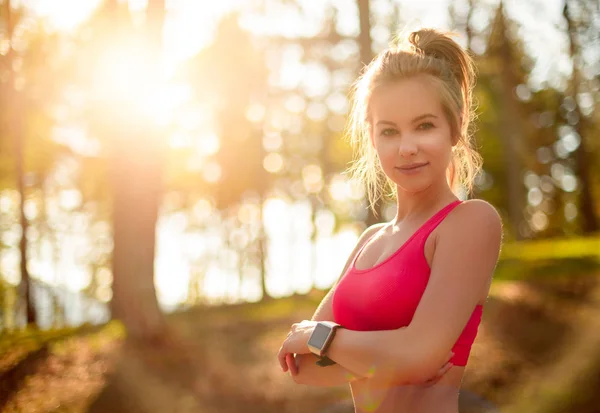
445 368
296 342
292 364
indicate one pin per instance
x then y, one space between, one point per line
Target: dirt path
229 364
60 375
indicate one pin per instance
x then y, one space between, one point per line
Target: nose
407 148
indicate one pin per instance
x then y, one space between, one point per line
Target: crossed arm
306 371
462 267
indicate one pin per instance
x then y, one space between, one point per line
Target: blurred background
173 196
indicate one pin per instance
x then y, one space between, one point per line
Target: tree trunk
469 26
314 256
137 161
16 130
466 25
510 133
366 55
23 244
589 221
262 252
136 184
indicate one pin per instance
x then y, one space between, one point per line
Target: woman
412 292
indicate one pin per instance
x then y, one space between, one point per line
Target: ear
455 139
457 135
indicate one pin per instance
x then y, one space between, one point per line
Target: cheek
438 144
386 149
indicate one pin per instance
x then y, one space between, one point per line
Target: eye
425 126
388 132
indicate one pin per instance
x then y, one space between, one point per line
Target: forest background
173 196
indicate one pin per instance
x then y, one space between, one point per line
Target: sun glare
63 15
133 81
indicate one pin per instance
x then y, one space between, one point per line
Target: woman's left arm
465 257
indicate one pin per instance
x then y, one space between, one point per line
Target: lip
412 166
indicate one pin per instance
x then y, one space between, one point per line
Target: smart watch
320 339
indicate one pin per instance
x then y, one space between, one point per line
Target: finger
281 358
442 371
439 375
446 368
282 363
429 383
433 381
291 363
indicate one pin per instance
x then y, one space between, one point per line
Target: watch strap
325 361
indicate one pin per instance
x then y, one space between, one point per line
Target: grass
55 370
90 368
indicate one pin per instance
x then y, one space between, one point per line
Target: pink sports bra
386 296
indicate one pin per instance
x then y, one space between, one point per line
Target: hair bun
439 45
432 43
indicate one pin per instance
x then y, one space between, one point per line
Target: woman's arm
307 371
465 256
311 374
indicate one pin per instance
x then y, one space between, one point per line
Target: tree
27 151
229 77
589 221
136 160
366 55
505 65
16 130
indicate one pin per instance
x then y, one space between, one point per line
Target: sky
190 22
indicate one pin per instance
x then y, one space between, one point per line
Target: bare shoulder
475 212
475 219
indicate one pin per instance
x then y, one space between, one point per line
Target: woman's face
411 133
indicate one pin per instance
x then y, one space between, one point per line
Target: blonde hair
451 69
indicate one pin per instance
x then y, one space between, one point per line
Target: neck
415 205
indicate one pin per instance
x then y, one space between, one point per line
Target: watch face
318 337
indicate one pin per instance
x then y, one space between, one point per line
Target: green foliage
541 269
233 76
228 76
26 113
541 119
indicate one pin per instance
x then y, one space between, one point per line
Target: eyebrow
418 118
